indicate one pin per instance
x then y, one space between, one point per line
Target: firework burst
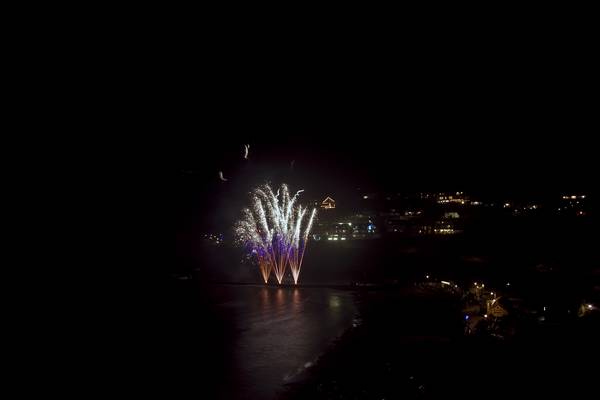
272 228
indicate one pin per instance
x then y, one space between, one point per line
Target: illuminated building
495 308
440 227
356 227
451 215
574 197
328 203
453 198
395 221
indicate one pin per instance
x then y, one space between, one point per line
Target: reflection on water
281 331
334 302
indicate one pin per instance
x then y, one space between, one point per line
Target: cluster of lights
491 302
451 215
444 283
336 238
458 198
451 200
370 227
573 203
531 207
346 230
445 229
412 213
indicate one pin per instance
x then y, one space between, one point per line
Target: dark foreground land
413 346
396 338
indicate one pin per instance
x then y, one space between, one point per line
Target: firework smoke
272 229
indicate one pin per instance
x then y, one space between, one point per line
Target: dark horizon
345 168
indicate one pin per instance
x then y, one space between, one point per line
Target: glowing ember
273 229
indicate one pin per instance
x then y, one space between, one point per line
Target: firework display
276 231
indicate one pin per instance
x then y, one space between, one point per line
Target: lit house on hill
328 203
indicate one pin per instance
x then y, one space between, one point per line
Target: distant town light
365 197
426 276
507 283
328 203
484 315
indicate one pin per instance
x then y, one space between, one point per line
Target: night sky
490 125
498 164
